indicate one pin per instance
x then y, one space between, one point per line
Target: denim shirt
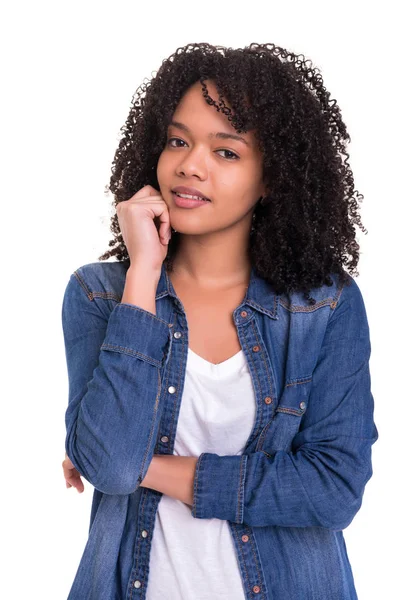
302 475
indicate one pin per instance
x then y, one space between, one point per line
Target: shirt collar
260 294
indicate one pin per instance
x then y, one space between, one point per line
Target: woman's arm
172 475
321 482
114 377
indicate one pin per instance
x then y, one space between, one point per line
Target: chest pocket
279 432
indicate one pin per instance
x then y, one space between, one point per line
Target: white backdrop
69 71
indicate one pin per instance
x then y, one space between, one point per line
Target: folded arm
321 481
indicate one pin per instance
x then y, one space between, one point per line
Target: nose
193 164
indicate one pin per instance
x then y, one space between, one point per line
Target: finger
73 477
67 463
68 473
165 227
147 190
76 482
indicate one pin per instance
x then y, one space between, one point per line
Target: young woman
219 388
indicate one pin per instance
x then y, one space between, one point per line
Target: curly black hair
304 229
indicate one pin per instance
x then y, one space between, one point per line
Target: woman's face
227 171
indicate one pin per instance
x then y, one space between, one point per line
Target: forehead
199 116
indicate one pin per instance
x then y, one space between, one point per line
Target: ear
264 193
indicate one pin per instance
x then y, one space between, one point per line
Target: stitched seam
137 308
123 350
239 543
262 308
107 296
256 563
92 295
143 589
290 411
196 477
176 393
155 410
83 284
137 549
336 300
299 308
265 362
240 505
262 435
297 382
257 378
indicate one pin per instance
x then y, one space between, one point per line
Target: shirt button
172 389
267 400
245 538
302 405
144 533
177 335
137 584
164 438
256 348
243 313
256 589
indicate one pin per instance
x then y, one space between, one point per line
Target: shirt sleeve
321 481
114 365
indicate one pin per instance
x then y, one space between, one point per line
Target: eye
232 157
172 139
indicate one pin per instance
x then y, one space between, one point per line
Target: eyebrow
220 135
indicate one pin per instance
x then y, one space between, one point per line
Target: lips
189 202
182 189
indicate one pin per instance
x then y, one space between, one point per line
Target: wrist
143 274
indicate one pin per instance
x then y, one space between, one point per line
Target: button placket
171 389
247 555
250 338
138 578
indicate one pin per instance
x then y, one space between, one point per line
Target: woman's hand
72 476
145 228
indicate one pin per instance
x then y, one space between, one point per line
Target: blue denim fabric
301 478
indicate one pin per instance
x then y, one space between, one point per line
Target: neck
213 261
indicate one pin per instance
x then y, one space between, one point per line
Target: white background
69 71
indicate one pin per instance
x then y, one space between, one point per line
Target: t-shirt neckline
227 367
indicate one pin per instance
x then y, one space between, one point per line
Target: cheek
238 185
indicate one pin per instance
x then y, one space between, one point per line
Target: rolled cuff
137 332
218 487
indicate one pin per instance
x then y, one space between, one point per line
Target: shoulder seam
92 295
338 295
83 285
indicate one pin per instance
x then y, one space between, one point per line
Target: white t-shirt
195 559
